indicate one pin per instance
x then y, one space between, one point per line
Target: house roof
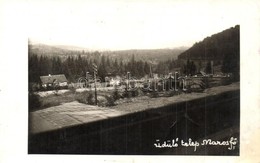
52 78
203 73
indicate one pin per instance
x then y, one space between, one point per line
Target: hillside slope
221 51
215 47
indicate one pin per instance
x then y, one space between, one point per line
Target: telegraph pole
170 84
87 79
128 78
175 82
95 73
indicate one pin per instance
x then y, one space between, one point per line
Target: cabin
200 74
52 81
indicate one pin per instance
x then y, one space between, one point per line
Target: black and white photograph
173 94
136 78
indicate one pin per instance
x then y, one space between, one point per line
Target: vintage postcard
129 82
138 78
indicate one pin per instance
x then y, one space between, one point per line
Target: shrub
140 92
82 99
205 83
34 101
225 81
154 94
127 94
90 99
110 100
170 93
33 87
56 91
72 89
116 94
134 93
86 98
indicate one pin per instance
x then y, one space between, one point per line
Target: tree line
75 67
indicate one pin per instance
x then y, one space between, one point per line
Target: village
149 83
73 115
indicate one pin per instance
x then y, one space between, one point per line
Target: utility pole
95 73
154 84
175 82
151 73
127 82
87 79
164 83
183 82
170 84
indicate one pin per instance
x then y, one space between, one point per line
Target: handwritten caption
174 143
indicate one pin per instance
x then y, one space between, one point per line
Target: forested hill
154 55
147 54
215 47
75 62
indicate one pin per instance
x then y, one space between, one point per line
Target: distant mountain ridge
139 54
147 54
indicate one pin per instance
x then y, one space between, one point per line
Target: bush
116 94
225 81
170 93
110 100
127 94
33 87
82 99
140 92
134 93
154 94
86 98
90 99
205 83
34 102
72 89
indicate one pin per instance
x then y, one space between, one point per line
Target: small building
115 81
54 80
200 74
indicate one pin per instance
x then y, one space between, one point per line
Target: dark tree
208 68
146 68
102 68
193 68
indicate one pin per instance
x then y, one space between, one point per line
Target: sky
118 25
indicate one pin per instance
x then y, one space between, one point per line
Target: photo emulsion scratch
95 88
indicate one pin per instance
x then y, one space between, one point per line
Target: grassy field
54 99
117 99
105 98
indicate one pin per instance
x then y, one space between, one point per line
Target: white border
14 24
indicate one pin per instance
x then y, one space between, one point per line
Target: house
54 81
115 81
